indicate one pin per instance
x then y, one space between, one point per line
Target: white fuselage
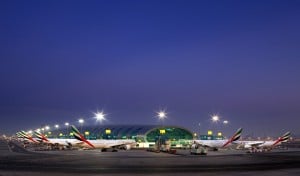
256 144
212 143
104 143
64 142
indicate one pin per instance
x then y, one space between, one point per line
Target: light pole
162 115
57 126
225 123
81 121
47 128
214 119
67 127
199 130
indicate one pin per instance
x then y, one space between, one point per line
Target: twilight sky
62 60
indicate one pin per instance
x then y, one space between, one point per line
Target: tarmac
18 161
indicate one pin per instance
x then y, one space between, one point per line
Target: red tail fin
235 137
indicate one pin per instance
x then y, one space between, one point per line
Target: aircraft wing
253 144
120 143
204 144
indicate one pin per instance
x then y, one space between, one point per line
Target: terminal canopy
150 132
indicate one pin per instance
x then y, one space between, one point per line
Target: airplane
25 136
259 146
56 141
102 144
216 144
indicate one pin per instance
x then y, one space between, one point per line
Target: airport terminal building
144 135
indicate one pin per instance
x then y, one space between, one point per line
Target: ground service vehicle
197 149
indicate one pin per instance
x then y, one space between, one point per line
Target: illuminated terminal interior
211 136
141 133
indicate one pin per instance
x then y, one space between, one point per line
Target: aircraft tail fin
23 134
79 136
237 134
41 136
235 137
284 138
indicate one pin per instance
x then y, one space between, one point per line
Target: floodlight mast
81 121
47 127
100 116
215 118
67 127
162 115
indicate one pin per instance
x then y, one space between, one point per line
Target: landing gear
109 149
104 150
215 149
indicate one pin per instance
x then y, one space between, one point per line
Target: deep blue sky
62 60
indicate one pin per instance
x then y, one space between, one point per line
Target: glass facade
168 133
141 133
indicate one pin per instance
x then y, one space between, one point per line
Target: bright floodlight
56 126
47 127
161 115
67 124
225 122
99 116
215 118
30 131
81 121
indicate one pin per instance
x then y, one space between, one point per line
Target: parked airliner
216 144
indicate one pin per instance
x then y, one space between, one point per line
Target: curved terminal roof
118 131
151 132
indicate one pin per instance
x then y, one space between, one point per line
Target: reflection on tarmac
91 162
